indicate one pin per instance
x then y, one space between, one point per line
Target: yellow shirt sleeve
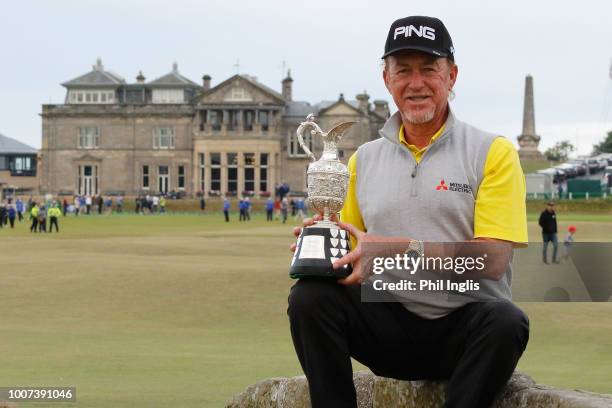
500 211
350 213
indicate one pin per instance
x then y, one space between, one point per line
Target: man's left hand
354 257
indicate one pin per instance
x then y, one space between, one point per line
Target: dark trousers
242 215
475 348
226 213
552 238
268 215
42 225
20 216
12 222
52 222
34 225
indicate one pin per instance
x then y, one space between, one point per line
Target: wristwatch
416 249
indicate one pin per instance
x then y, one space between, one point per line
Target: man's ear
385 75
454 71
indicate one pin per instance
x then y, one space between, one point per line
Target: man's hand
354 257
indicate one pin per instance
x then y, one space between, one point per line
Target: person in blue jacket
20 209
226 207
269 209
242 207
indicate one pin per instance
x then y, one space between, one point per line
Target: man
429 179
3 213
34 217
548 223
12 214
120 204
242 209
226 208
42 218
162 205
100 204
19 207
269 209
54 214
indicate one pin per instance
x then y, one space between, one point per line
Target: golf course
186 310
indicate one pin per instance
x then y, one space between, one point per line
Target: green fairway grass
187 310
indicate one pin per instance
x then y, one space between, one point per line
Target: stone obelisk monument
528 140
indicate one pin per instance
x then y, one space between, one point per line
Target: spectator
120 204
100 204
300 204
248 206
88 203
54 214
3 214
20 208
77 205
226 208
568 242
162 205
154 203
12 214
34 210
284 209
242 210
548 223
108 203
277 208
269 209
42 219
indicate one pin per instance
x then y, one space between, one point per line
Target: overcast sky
331 46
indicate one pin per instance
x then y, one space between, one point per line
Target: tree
560 151
605 146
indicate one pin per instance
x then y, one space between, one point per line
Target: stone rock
380 392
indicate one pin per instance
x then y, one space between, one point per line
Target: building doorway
88 180
162 179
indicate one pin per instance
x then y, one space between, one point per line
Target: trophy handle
300 130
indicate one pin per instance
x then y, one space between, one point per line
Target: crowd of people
45 214
277 209
40 215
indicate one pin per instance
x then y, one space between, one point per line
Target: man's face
419 84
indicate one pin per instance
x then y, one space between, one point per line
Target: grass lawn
186 310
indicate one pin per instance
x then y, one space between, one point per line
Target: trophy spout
332 138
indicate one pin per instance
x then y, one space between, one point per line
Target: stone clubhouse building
174 135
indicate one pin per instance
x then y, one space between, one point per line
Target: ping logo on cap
423 31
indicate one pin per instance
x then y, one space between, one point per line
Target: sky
331 47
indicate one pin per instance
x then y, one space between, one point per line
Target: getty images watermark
477 272
410 264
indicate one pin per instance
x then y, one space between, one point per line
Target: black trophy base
317 249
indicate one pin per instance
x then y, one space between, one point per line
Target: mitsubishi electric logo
422 31
442 186
458 187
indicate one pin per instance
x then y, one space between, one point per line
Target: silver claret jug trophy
319 245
